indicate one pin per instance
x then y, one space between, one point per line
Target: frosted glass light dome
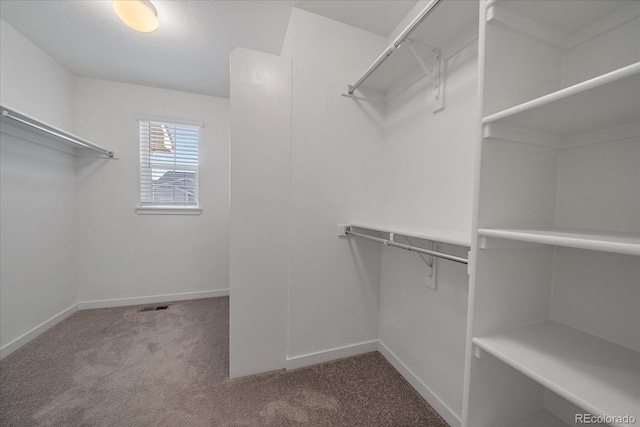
140 15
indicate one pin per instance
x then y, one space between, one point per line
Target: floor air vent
154 308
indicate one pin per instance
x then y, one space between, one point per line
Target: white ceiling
190 51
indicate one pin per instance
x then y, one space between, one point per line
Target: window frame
146 207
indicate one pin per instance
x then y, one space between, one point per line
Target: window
168 164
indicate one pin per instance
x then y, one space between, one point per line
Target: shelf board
30 126
620 243
606 101
558 23
539 418
596 375
561 16
401 63
459 16
443 236
402 66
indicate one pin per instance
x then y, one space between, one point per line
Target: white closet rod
52 131
407 247
396 43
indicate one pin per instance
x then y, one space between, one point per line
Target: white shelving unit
402 64
620 243
403 69
443 236
555 288
594 374
28 128
602 102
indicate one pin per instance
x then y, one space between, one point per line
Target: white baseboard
331 354
436 403
443 409
9 348
122 302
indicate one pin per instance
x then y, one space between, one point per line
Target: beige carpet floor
118 367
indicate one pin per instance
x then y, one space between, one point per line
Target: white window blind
168 164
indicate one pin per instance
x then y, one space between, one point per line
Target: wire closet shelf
26 122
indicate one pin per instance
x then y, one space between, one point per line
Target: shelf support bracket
478 353
430 262
433 72
343 229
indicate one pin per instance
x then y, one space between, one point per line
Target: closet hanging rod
396 43
407 247
52 131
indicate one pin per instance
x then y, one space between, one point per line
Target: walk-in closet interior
453 184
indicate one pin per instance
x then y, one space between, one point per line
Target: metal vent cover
154 308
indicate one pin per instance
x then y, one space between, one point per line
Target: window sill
168 210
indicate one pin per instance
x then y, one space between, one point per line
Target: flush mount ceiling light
137 14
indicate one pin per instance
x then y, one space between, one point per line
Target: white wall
287 44
37 207
352 161
336 177
124 255
428 183
260 203
33 82
428 186
37 229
